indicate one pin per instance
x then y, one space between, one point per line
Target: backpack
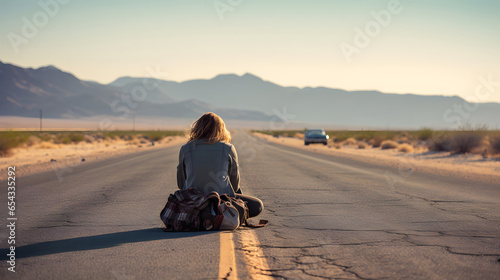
234 210
189 209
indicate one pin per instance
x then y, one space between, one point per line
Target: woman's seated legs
255 205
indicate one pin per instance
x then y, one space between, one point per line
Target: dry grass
468 139
47 145
51 139
424 134
135 141
68 138
495 145
33 140
149 135
466 142
440 143
10 140
388 144
89 138
362 145
350 142
376 141
405 148
299 135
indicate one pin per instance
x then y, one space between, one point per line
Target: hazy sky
424 47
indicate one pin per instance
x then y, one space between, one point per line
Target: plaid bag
181 213
190 210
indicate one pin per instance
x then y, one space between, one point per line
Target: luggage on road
190 210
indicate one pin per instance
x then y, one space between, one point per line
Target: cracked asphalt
329 218
333 218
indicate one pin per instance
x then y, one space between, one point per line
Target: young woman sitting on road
208 162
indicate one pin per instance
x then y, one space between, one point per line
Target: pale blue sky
430 47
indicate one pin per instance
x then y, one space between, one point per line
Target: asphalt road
329 218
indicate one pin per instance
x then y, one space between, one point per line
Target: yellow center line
227 261
255 260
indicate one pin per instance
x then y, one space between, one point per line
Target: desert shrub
266 132
365 135
440 143
388 144
109 136
71 137
340 138
402 140
495 145
468 126
403 134
362 145
33 140
99 136
278 133
155 135
465 142
76 137
148 135
89 138
47 145
405 148
126 137
45 137
290 133
117 134
299 135
424 134
63 140
10 140
376 141
350 141
134 141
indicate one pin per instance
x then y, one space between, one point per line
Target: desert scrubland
33 152
462 154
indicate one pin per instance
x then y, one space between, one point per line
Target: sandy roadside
473 167
45 157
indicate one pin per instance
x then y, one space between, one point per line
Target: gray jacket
208 167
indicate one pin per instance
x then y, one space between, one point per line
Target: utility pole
40 120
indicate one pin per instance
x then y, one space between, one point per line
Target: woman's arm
181 170
234 173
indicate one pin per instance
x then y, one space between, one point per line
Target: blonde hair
209 127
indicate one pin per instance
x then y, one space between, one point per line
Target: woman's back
208 167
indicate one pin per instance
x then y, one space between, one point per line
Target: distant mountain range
23 91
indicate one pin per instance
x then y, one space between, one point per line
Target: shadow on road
96 242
